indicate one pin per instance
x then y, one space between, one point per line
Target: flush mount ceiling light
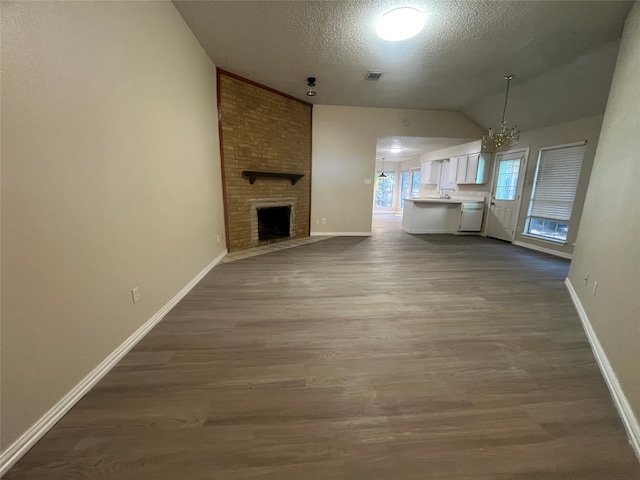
395 149
400 24
311 82
503 137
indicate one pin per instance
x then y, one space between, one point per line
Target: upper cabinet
453 170
471 169
461 174
430 173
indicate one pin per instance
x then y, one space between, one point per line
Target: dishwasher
471 216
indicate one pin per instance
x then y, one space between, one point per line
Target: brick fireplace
266 133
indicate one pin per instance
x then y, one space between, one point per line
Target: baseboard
622 404
428 232
340 234
29 438
550 251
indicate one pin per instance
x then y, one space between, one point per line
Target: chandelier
504 137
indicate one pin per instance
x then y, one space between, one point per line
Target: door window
507 182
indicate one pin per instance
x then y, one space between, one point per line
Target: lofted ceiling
562 53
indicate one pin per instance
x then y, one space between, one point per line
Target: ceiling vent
373 75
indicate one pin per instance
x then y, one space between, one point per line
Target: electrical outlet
317 221
586 280
595 288
218 238
135 294
324 221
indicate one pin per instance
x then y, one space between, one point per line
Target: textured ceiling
456 63
412 146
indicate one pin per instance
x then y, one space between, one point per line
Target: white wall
454 151
110 180
608 244
343 156
407 165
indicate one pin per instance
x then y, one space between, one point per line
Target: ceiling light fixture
311 82
382 175
504 137
400 24
395 149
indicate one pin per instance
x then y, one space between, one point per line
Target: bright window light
400 24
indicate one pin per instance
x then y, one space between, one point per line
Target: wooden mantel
252 175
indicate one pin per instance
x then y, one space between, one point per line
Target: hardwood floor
391 357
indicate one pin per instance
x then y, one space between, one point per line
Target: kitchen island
442 215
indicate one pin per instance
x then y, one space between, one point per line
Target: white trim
522 177
341 234
550 251
550 241
622 404
564 145
428 232
28 439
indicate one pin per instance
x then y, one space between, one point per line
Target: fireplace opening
274 223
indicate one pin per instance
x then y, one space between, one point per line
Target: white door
508 177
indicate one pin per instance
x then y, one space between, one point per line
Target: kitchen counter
435 200
441 215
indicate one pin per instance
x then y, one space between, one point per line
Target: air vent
373 75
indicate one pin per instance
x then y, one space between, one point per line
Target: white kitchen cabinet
471 216
453 170
430 172
473 169
461 174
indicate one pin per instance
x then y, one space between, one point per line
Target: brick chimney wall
265 131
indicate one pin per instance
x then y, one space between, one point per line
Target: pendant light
382 175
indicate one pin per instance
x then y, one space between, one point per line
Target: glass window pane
415 184
507 184
384 191
548 229
404 188
535 226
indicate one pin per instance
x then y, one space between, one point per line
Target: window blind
556 183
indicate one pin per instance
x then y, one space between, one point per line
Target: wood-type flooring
395 357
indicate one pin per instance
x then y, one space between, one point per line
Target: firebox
274 223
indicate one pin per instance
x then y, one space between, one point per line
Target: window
415 183
404 187
554 190
384 190
507 183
